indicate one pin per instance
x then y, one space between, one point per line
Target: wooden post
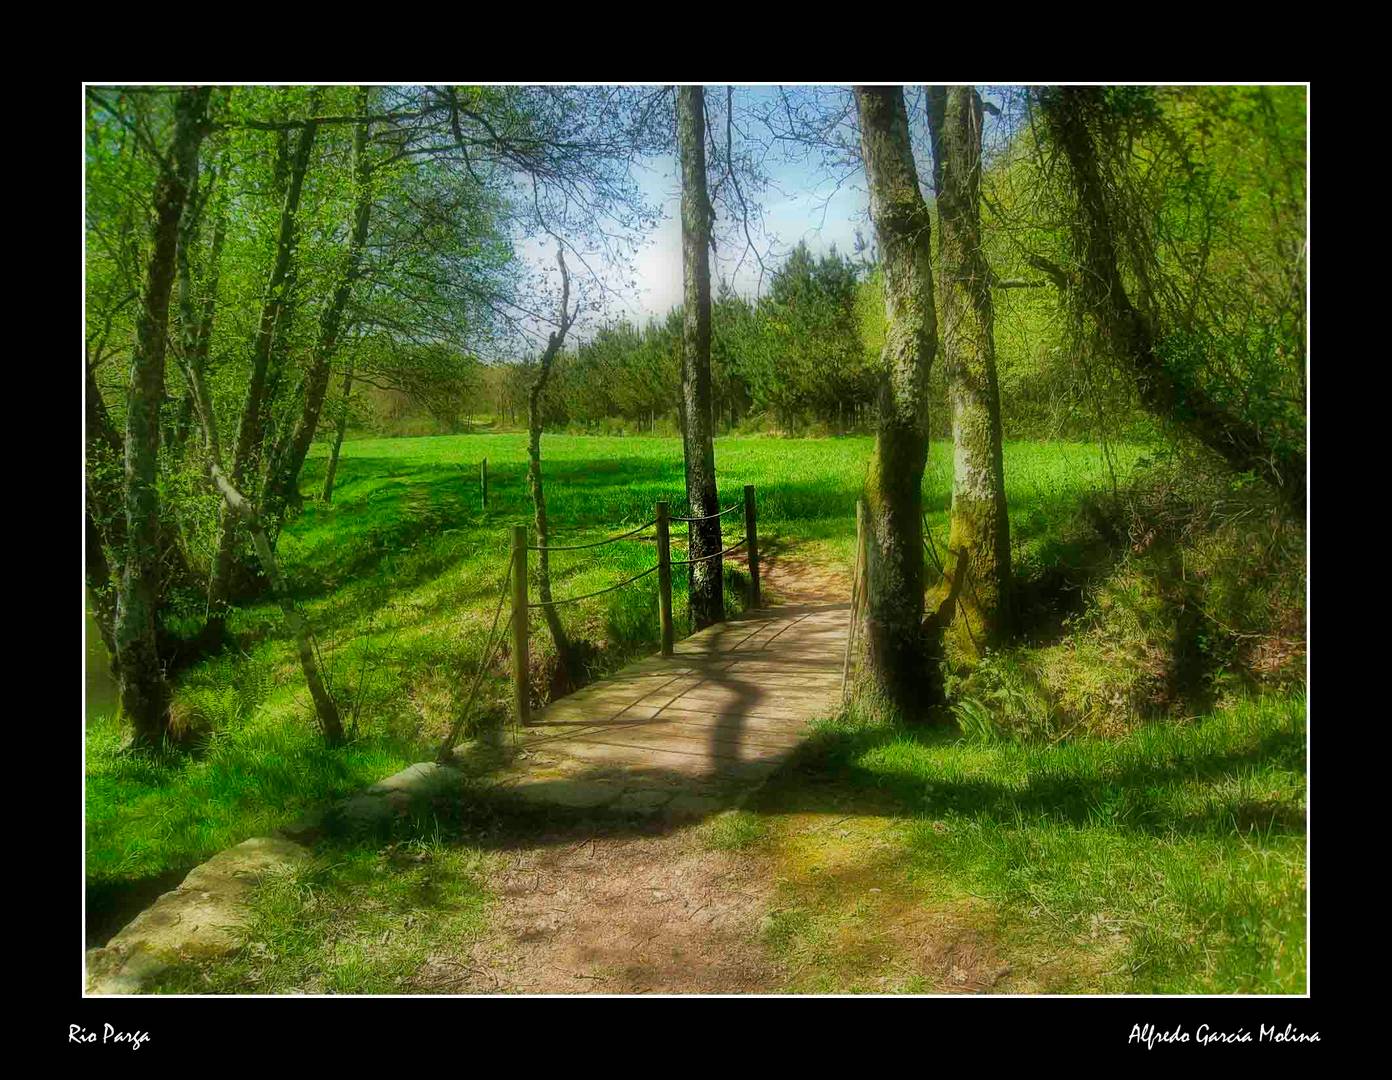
751 532
857 590
519 624
483 482
664 577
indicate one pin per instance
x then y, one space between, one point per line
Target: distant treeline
800 360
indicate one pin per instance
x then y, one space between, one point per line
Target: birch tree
707 600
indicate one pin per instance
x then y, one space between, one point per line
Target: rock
307 829
575 794
366 810
642 801
200 918
423 780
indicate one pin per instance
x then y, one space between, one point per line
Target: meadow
399 577
1169 859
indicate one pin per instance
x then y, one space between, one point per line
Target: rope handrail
710 517
704 558
596 543
598 592
490 648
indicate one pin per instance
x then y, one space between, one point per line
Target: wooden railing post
483 482
751 532
664 577
519 624
857 592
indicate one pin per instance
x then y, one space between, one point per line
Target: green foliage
400 575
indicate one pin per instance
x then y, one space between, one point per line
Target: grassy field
1170 859
399 577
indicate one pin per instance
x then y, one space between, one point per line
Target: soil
618 915
656 910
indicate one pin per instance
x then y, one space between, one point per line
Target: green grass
1171 860
734 830
399 577
363 920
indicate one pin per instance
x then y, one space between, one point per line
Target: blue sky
799 208
803 202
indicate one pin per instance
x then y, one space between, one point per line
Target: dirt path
618 915
653 910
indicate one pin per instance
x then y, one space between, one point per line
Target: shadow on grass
826 775
114 902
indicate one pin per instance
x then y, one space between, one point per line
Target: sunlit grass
400 577
1169 861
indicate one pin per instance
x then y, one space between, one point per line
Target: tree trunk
1129 335
896 661
144 692
286 463
340 426
534 405
252 426
980 530
706 588
198 329
235 504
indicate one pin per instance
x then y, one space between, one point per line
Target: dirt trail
654 909
618 915
651 912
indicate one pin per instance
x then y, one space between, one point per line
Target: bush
1192 584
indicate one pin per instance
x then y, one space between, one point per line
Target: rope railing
714 555
597 592
593 544
710 517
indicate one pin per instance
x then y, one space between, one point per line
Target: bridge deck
729 705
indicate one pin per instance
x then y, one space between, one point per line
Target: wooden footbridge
727 704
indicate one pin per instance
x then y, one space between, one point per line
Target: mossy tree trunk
144 692
706 588
896 659
251 429
979 540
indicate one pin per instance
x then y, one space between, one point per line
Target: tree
534 426
289 456
144 692
896 661
251 429
345 400
979 537
1168 363
706 586
236 503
